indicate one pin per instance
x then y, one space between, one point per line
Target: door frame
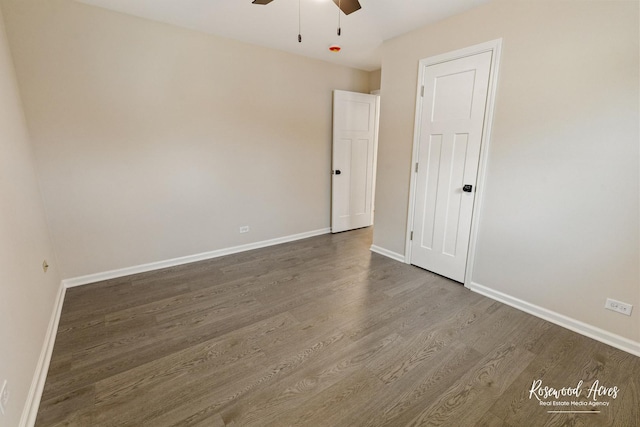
494 46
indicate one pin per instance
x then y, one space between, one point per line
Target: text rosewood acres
543 394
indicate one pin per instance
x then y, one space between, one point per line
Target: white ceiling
276 25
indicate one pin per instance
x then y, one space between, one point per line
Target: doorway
453 116
355 133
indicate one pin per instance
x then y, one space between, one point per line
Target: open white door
354 133
451 128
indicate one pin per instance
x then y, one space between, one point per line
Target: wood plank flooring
319 332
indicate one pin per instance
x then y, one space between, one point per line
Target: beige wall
559 225
155 142
374 79
27 294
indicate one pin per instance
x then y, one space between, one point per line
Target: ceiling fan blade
261 1
348 6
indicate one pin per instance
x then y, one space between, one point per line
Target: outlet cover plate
620 307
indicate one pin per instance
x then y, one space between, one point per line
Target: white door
451 124
354 134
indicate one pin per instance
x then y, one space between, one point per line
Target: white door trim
494 46
375 156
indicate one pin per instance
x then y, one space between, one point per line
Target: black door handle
337 172
467 188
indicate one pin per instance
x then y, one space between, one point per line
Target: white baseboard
386 252
32 404
574 325
107 275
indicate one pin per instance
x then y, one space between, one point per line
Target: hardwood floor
319 332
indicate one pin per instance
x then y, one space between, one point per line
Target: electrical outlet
4 397
618 306
244 229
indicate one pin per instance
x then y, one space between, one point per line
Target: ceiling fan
347 6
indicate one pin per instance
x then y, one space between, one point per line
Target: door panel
360 158
355 115
453 96
341 194
451 124
428 189
454 205
354 132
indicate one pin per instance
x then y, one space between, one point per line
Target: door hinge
411 238
422 91
416 167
